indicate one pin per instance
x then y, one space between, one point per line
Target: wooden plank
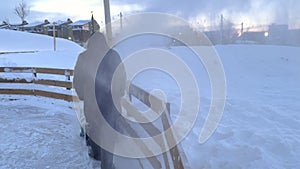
37 93
17 91
144 97
183 157
56 83
2 80
17 69
177 153
178 156
153 160
148 127
55 71
53 95
1 53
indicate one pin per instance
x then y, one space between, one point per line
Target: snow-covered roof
34 24
4 26
76 29
80 22
57 23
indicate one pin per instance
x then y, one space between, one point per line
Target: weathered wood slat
1 53
153 160
17 91
54 71
148 127
37 93
177 154
2 80
144 97
53 95
56 83
16 69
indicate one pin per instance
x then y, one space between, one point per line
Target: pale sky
201 12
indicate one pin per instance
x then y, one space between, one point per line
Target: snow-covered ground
260 127
38 132
44 55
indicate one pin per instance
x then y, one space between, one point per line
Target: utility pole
93 23
242 28
121 20
222 28
54 38
107 19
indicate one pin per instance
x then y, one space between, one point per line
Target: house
19 27
294 37
36 27
82 29
278 34
61 28
258 37
4 25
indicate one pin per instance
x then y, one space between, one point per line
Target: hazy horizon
255 14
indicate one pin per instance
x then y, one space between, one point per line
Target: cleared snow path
38 132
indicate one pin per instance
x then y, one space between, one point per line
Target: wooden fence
66 84
174 158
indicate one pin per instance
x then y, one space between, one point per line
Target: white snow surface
38 132
260 127
43 47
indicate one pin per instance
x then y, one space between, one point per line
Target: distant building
18 27
78 31
37 27
253 37
4 25
293 37
278 34
82 29
62 29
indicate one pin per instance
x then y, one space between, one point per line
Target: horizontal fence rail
66 85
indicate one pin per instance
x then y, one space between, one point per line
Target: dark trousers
100 154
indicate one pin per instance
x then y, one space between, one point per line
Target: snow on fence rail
175 158
35 90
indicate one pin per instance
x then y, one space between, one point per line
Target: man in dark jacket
93 81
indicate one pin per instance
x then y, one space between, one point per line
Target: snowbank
42 45
12 41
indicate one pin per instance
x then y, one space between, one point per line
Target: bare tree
22 10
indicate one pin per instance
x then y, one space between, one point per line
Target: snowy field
260 127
